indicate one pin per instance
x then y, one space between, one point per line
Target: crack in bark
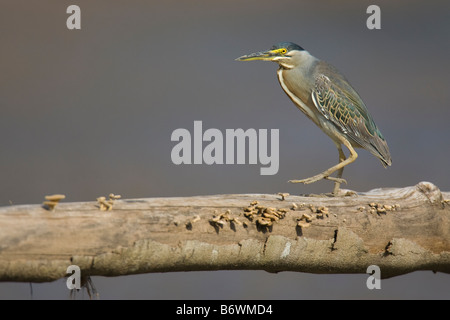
335 235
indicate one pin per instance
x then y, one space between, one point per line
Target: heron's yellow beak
263 55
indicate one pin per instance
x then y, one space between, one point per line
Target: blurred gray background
90 112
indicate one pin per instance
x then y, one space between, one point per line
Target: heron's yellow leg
342 158
339 167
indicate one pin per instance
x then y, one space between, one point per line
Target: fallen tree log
398 229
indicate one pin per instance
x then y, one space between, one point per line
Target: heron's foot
338 180
317 178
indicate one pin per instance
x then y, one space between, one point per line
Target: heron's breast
299 91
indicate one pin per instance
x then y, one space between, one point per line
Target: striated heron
326 97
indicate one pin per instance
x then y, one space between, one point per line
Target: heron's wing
338 102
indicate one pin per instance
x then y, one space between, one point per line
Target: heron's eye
283 51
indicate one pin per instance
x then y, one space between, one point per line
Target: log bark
398 229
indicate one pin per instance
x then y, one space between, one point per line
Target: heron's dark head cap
287 45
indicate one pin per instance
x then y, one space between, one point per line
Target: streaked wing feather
339 103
